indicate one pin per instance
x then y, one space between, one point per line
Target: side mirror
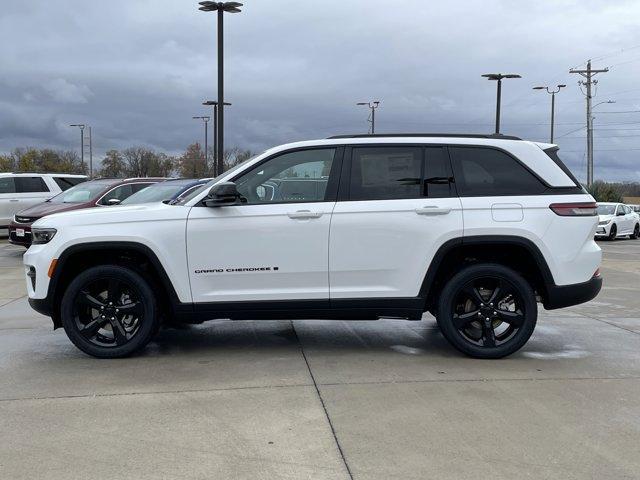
222 194
114 201
621 214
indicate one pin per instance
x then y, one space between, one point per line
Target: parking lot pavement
324 400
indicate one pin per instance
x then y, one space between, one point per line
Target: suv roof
414 135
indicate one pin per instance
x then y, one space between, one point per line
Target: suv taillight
582 209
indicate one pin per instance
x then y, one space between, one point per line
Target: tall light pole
372 106
220 7
218 163
499 77
553 102
205 120
81 127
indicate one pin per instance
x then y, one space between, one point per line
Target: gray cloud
137 71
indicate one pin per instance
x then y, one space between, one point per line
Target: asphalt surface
327 399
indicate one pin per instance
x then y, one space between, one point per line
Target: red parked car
95 193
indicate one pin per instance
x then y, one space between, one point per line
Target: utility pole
588 83
372 106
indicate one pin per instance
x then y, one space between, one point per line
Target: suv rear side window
65 183
438 175
30 184
489 172
386 173
7 185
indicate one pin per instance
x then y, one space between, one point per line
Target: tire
487 311
636 232
613 233
109 311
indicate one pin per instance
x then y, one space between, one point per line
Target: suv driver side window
295 177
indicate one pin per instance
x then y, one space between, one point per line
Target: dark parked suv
96 193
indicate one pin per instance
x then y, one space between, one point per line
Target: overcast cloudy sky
138 70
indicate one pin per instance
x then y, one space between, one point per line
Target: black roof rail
446 135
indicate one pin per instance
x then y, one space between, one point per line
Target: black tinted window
30 184
379 173
7 185
120 193
438 174
66 183
487 171
136 187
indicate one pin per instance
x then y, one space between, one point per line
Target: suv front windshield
606 209
81 193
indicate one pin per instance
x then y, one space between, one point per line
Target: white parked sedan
617 220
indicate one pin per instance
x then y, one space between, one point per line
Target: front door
274 246
400 206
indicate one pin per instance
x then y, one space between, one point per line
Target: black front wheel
487 311
109 311
613 233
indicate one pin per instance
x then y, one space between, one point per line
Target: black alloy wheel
109 311
487 311
613 233
636 232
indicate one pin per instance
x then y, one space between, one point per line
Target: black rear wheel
487 311
109 311
636 232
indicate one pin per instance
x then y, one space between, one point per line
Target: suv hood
117 214
43 209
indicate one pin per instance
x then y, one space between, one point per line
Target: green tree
605 192
192 163
113 165
6 163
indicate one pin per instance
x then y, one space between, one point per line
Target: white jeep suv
476 229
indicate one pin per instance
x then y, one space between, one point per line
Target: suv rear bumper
560 296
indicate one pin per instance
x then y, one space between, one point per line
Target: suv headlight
42 235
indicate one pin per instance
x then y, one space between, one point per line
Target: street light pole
499 77
81 127
218 165
220 7
372 106
205 121
553 103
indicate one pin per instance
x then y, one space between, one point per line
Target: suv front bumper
560 296
24 229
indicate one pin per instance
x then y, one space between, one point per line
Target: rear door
8 200
30 191
396 207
